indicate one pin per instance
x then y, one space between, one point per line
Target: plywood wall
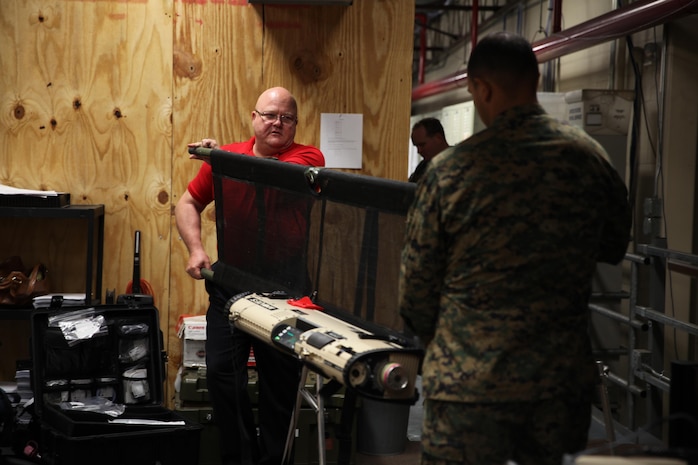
99 98
85 108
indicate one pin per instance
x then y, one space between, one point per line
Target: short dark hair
432 127
508 59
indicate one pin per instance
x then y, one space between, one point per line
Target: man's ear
486 90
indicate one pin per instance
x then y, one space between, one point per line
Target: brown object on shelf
18 286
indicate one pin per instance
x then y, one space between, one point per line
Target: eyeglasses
286 120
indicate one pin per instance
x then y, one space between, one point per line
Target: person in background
274 120
429 138
501 244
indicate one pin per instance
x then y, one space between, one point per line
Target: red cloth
304 302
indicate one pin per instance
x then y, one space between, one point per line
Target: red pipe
473 24
422 46
557 16
637 16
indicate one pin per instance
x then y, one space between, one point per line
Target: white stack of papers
69 300
9 190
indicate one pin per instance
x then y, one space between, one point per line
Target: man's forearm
188 220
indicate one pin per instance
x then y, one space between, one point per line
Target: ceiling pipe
635 17
557 16
473 24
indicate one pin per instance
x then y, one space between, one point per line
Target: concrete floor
410 456
626 443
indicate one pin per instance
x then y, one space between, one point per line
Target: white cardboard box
600 112
192 331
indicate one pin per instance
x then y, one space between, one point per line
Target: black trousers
227 353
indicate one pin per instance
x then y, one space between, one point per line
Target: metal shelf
94 217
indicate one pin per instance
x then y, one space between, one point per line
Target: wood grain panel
86 105
355 59
60 244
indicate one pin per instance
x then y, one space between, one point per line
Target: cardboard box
192 330
600 112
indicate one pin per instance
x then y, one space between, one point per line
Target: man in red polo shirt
274 121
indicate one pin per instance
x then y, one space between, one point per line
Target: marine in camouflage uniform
502 241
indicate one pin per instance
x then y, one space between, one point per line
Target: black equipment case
124 362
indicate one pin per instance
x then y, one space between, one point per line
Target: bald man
501 244
274 120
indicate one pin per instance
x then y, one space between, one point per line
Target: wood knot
310 67
186 64
163 197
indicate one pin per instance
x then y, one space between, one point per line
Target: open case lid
331 235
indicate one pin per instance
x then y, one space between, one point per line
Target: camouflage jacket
501 244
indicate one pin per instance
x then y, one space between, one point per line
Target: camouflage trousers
526 433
